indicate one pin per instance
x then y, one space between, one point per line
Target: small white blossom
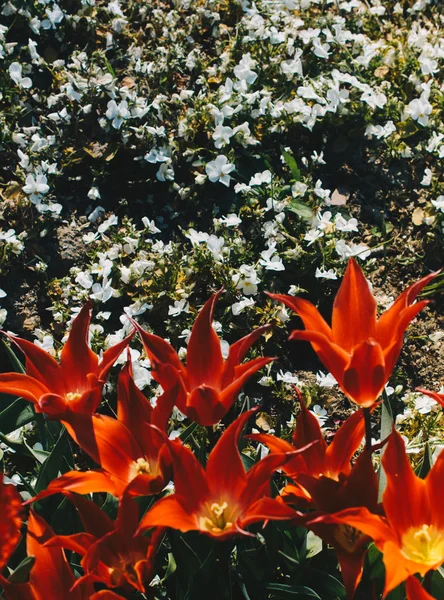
219 170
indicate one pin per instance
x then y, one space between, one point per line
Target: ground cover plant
183 185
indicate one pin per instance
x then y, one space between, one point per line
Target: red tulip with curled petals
208 385
436 396
358 349
72 386
10 520
223 499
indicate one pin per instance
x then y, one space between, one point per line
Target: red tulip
72 386
358 349
411 535
223 499
208 385
435 395
10 520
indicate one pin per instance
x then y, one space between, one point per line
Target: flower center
347 537
70 396
424 545
141 466
217 518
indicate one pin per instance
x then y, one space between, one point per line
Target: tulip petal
415 591
112 354
410 507
159 353
307 431
351 564
82 482
365 375
205 363
229 394
345 443
77 359
363 520
169 512
78 542
204 406
311 317
133 408
265 509
189 477
435 395
435 489
237 352
222 480
10 520
278 446
19 384
354 309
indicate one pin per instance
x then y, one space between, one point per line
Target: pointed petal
94 520
77 359
106 595
78 542
402 483
351 564
17 591
307 431
266 509
82 482
10 520
237 352
19 384
190 480
251 367
365 375
229 394
168 512
107 441
354 309
133 408
41 366
112 354
363 520
222 480
51 574
345 443
278 446
331 355
309 314
204 355
415 591
388 322
435 490
159 353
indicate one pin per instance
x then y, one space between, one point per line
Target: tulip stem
368 429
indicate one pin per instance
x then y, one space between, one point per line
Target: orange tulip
50 576
10 520
111 553
358 349
223 499
411 535
415 591
74 385
208 385
325 481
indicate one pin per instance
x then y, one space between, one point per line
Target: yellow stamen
216 519
141 466
424 545
70 396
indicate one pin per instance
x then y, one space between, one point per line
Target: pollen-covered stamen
141 466
70 396
424 545
347 537
217 518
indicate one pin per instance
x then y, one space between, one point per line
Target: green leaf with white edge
39 455
385 431
427 462
21 573
14 416
17 365
53 464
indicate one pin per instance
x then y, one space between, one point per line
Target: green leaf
292 164
54 463
17 414
427 462
188 432
17 365
301 209
21 573
283 591
385 431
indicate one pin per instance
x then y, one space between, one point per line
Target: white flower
260 178
439 203
15 72
222 135
55 16
94 193
323 274
117 113
320 413
345 251
343 225
150 225
419 110
231 220
104 291
36 187
325 380
271 262
313 235
427 177
219 169
178 307
240 306
243 70
424 404
287 377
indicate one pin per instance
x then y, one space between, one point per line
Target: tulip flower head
74 385
10 520
208 385
223 499
358 349
411 535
